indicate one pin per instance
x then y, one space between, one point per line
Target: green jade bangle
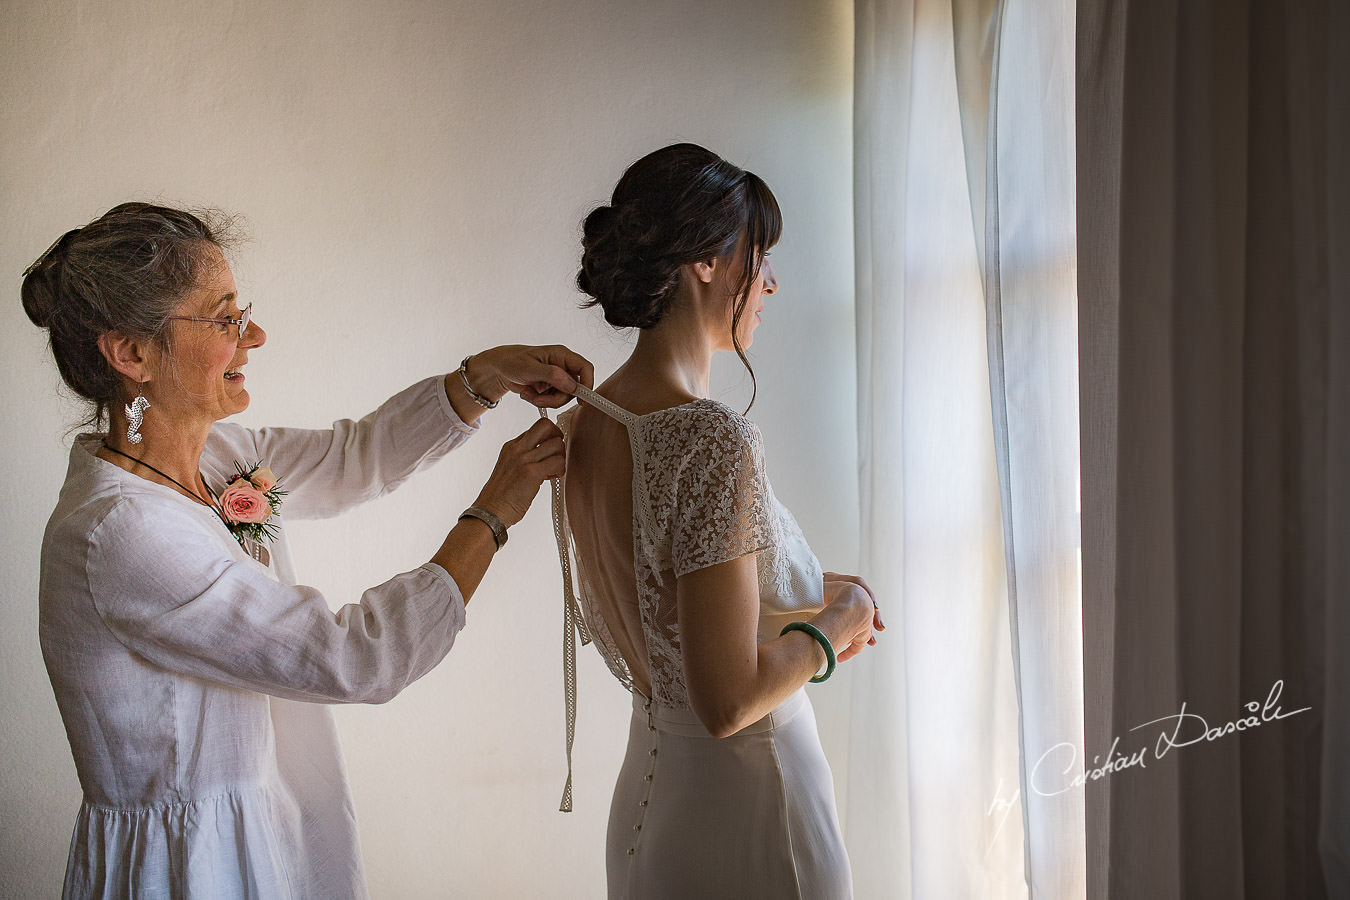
821 639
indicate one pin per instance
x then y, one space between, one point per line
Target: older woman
190 668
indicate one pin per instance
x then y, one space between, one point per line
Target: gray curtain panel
1212 217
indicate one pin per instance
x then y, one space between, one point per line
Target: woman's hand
522 466
854 600
524 463
545 376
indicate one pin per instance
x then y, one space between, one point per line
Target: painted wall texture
412 176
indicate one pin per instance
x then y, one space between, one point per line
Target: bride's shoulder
707 423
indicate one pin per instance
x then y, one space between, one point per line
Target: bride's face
752 314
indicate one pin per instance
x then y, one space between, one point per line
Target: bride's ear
704 271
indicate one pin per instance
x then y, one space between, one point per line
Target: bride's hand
836 584
545 376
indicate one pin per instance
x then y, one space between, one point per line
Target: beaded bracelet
477 397
824 642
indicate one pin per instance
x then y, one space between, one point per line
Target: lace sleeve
721 507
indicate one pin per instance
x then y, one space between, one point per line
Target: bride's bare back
599 492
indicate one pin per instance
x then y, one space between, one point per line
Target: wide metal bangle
488 519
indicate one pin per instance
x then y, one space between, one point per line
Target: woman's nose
770 280
254 336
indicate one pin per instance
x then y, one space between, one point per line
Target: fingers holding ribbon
546 376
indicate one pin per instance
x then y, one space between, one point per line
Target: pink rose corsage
251 498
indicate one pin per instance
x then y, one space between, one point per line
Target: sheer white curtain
968 424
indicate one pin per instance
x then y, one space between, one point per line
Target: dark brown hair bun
678 205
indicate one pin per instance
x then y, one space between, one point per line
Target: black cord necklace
193 494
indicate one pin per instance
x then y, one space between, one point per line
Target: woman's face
763 285
205 382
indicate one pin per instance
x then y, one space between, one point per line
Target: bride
695 582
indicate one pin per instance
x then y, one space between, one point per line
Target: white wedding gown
747 816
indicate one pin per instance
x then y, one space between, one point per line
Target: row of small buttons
651 772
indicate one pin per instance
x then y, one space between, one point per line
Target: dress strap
608 407
574 626
631 421
574 623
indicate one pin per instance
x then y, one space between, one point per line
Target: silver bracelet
477 397
488 519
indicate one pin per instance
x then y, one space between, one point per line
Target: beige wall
413 176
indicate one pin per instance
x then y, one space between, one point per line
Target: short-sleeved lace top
700 497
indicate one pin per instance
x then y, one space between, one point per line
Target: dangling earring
136 414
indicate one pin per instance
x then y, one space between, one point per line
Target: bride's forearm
782 665
733 680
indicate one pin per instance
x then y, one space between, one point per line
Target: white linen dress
747 816
192 679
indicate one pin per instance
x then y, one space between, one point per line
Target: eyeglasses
242 321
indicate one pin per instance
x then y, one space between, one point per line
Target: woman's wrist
490 519
834 622
489 500
469 389
476 376
828 623
469 412
824 644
